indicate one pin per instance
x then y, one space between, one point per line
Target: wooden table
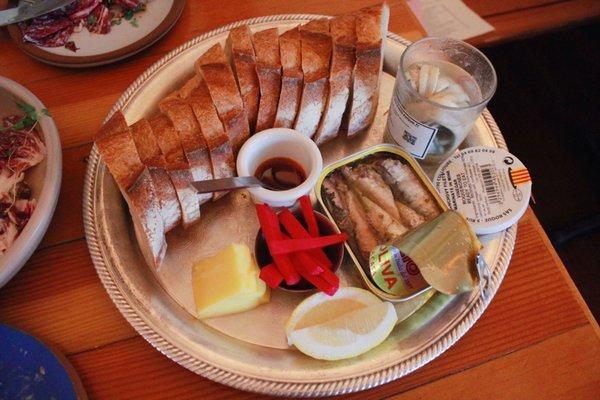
514 19
536 340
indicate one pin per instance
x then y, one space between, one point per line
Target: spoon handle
219 185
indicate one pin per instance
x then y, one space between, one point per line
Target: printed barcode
489 185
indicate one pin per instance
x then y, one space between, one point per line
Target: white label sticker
407 132
489 186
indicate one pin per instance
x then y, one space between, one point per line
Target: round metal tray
247 350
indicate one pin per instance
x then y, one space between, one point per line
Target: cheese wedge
228 283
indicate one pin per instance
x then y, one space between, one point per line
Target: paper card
449 18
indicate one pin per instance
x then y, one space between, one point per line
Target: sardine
407 188
365 179
337 206
363 234
387 228
408 216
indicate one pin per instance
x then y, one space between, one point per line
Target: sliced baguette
371 32
317 25
178 168
196 93
268 68
239 45
316 54
216 72
290 50
119 153
194 146
147 220
340 77
114 136
152 157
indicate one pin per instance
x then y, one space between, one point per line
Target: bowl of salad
30 175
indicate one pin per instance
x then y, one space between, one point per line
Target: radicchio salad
20 149
97 16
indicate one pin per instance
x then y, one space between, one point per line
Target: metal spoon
237 182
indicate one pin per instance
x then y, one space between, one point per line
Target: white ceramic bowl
44 180
280 142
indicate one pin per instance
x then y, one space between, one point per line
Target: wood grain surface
518 20
536 340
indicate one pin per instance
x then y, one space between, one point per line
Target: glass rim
420 97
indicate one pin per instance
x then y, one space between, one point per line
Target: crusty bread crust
119 153
317 25
221 155
268 69
152 157
194 146
147 220
146 144
216 72
290 49
168 141
178 168
239 45
340 77
371 30
188 87
113 141
316 54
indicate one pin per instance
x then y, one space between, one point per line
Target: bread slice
268 68
371 32
216 72
194 146
340 77
177 167
113 135
147 220
316 54
119 153
152 157
196 93
290 50
239 45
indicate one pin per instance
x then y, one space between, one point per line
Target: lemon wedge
320 308
343 326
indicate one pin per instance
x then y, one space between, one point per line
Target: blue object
29 370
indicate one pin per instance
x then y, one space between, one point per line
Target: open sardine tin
423 257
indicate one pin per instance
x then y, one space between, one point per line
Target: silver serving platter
248 350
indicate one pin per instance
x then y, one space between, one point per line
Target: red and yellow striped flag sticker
519 176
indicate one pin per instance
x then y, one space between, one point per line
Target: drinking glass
442 86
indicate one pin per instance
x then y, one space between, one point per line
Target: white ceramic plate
123 41
44 180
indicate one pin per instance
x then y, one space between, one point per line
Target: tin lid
441 252
489 186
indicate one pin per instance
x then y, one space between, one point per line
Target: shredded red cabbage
20 149
55 29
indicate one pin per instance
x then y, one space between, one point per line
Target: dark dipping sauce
280 173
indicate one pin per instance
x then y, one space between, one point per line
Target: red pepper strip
286 246
309 264
297 231
271 276
331 278
316 280
327 275
309 216
271 230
